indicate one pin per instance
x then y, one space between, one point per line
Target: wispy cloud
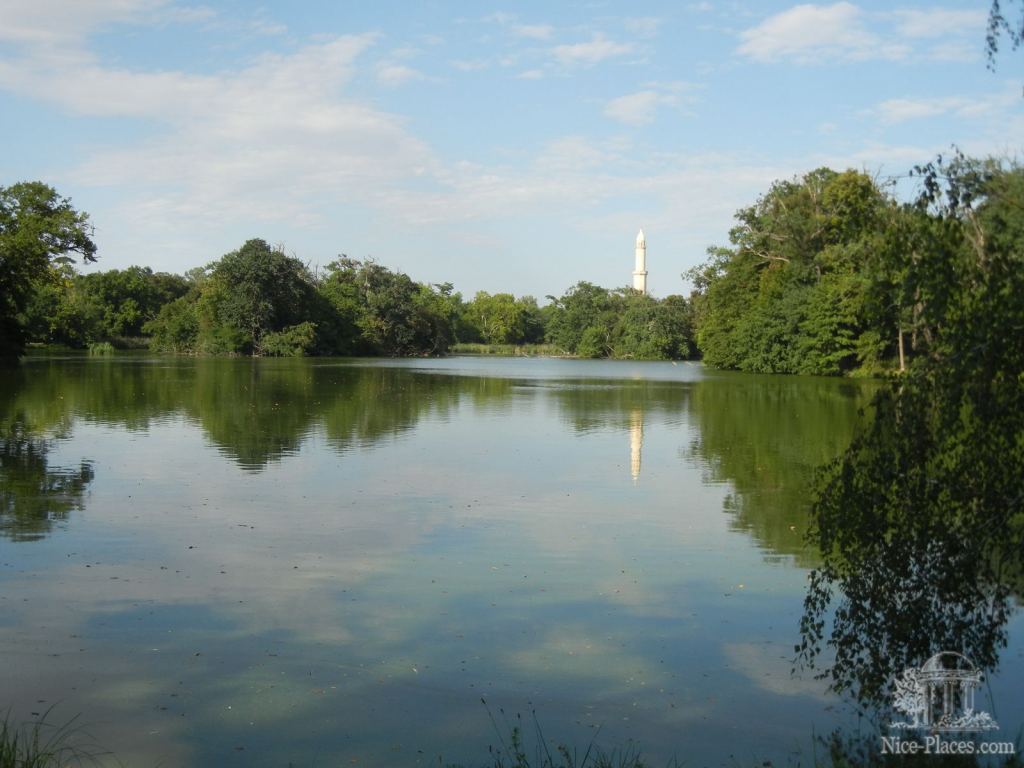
534 31
843 31
470 65
640 108
590 53
817 33
938 22
397 74
645 26
61 21
984 107
901 110
636 108
268 141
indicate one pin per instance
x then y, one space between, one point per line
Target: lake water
331 562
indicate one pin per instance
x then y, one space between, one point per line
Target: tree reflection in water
920 532
33 494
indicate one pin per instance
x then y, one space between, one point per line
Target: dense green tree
176 326
580 308
39 230
127 299
61 311
259 290
75 309
501 318
649 329
792 293
394 315
590 321
256 300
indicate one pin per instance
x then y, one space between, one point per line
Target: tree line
822 276
259 300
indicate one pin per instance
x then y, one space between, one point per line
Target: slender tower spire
640 273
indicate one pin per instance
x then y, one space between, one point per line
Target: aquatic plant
513 751
101 348
42 744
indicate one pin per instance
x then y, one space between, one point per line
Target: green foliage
79 310
921 521
101 348
176 327
503 319
579 308
38 232
590 321
127 299
61 312
262 290
506 350
593 343
259 301
804 281
390 313
293 341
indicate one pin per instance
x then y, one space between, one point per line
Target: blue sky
514 147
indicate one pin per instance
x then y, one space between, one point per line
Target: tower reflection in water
636 442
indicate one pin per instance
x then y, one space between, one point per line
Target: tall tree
789 295
264 290
39 231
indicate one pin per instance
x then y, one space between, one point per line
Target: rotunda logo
940 696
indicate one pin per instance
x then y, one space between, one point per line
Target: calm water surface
326 562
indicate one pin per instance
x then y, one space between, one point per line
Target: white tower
640 273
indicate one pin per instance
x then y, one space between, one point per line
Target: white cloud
640 108
472 65
815 33
938 22
534 31
636 108
901 110
499 17
842 31
770 667
77 81
268 142
531 74
60 21
986 107
961 52
397 74
588 54
646 26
